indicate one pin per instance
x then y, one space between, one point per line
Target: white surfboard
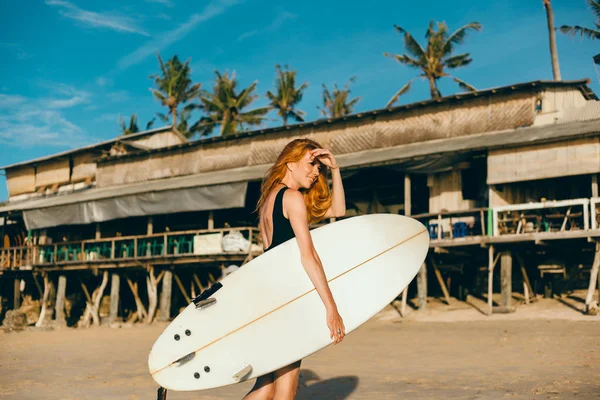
268 314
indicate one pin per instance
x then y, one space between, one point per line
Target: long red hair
317 198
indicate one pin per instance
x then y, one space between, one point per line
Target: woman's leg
286 381
263 389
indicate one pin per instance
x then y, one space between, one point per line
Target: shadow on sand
312 387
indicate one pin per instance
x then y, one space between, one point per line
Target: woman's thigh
286 381
263 389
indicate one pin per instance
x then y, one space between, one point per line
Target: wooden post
438 275
98 233
152 287
17 294
165 296
141 310
506 279
182 288
150 227
422 286
591 306
491 265
60 300
44 302
407 195
115 285
211 220
594 185
404 296
527 289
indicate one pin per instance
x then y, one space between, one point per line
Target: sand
545 350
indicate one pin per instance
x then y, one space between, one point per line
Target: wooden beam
197 280
594 185
491 264
506 279
407 195
440 280
115 285
98 233
422 286
211 220
60 300
403 306
44 301
591 306
16 293
165 296
182 288
150 226
141 310
528 290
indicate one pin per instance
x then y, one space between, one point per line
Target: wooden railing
159 245
549 216
449 225
595 212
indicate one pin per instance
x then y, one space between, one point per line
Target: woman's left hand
324 157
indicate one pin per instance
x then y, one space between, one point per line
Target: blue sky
70 68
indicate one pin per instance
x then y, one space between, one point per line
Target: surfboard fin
205 303
186 358
207 293
238 376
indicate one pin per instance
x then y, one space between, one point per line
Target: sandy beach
545 350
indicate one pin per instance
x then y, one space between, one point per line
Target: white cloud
118 96
113 21
213 9
7 100
74 96
26 122
102 81
167 3
246 35
272 27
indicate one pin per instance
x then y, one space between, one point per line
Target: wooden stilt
506 279
60 300
152 286
165 296
94 302
141 310
591 306
44 301
115 285
440 280
197 280
16 293
491 264
404 296
182 288
422 286
527 289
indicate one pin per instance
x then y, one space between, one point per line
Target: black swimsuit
282 229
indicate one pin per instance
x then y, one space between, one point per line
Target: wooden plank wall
544 161
20 180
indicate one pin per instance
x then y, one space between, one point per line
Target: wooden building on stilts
132 229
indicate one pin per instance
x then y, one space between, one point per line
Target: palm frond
460 60
595 6
459 35
464 85
410 43
406 60
403 90
582 31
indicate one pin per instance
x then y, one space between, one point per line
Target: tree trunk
433 88
552 34
284 116
174 112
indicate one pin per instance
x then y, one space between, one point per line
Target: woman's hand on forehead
324 156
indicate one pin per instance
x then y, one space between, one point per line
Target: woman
294 193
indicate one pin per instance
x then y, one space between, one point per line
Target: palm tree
224 106
132 128
287 96
582 31
436 58
336 103
552 34
174 86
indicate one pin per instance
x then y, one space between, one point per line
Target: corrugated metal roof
588 112
90 147
395 154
